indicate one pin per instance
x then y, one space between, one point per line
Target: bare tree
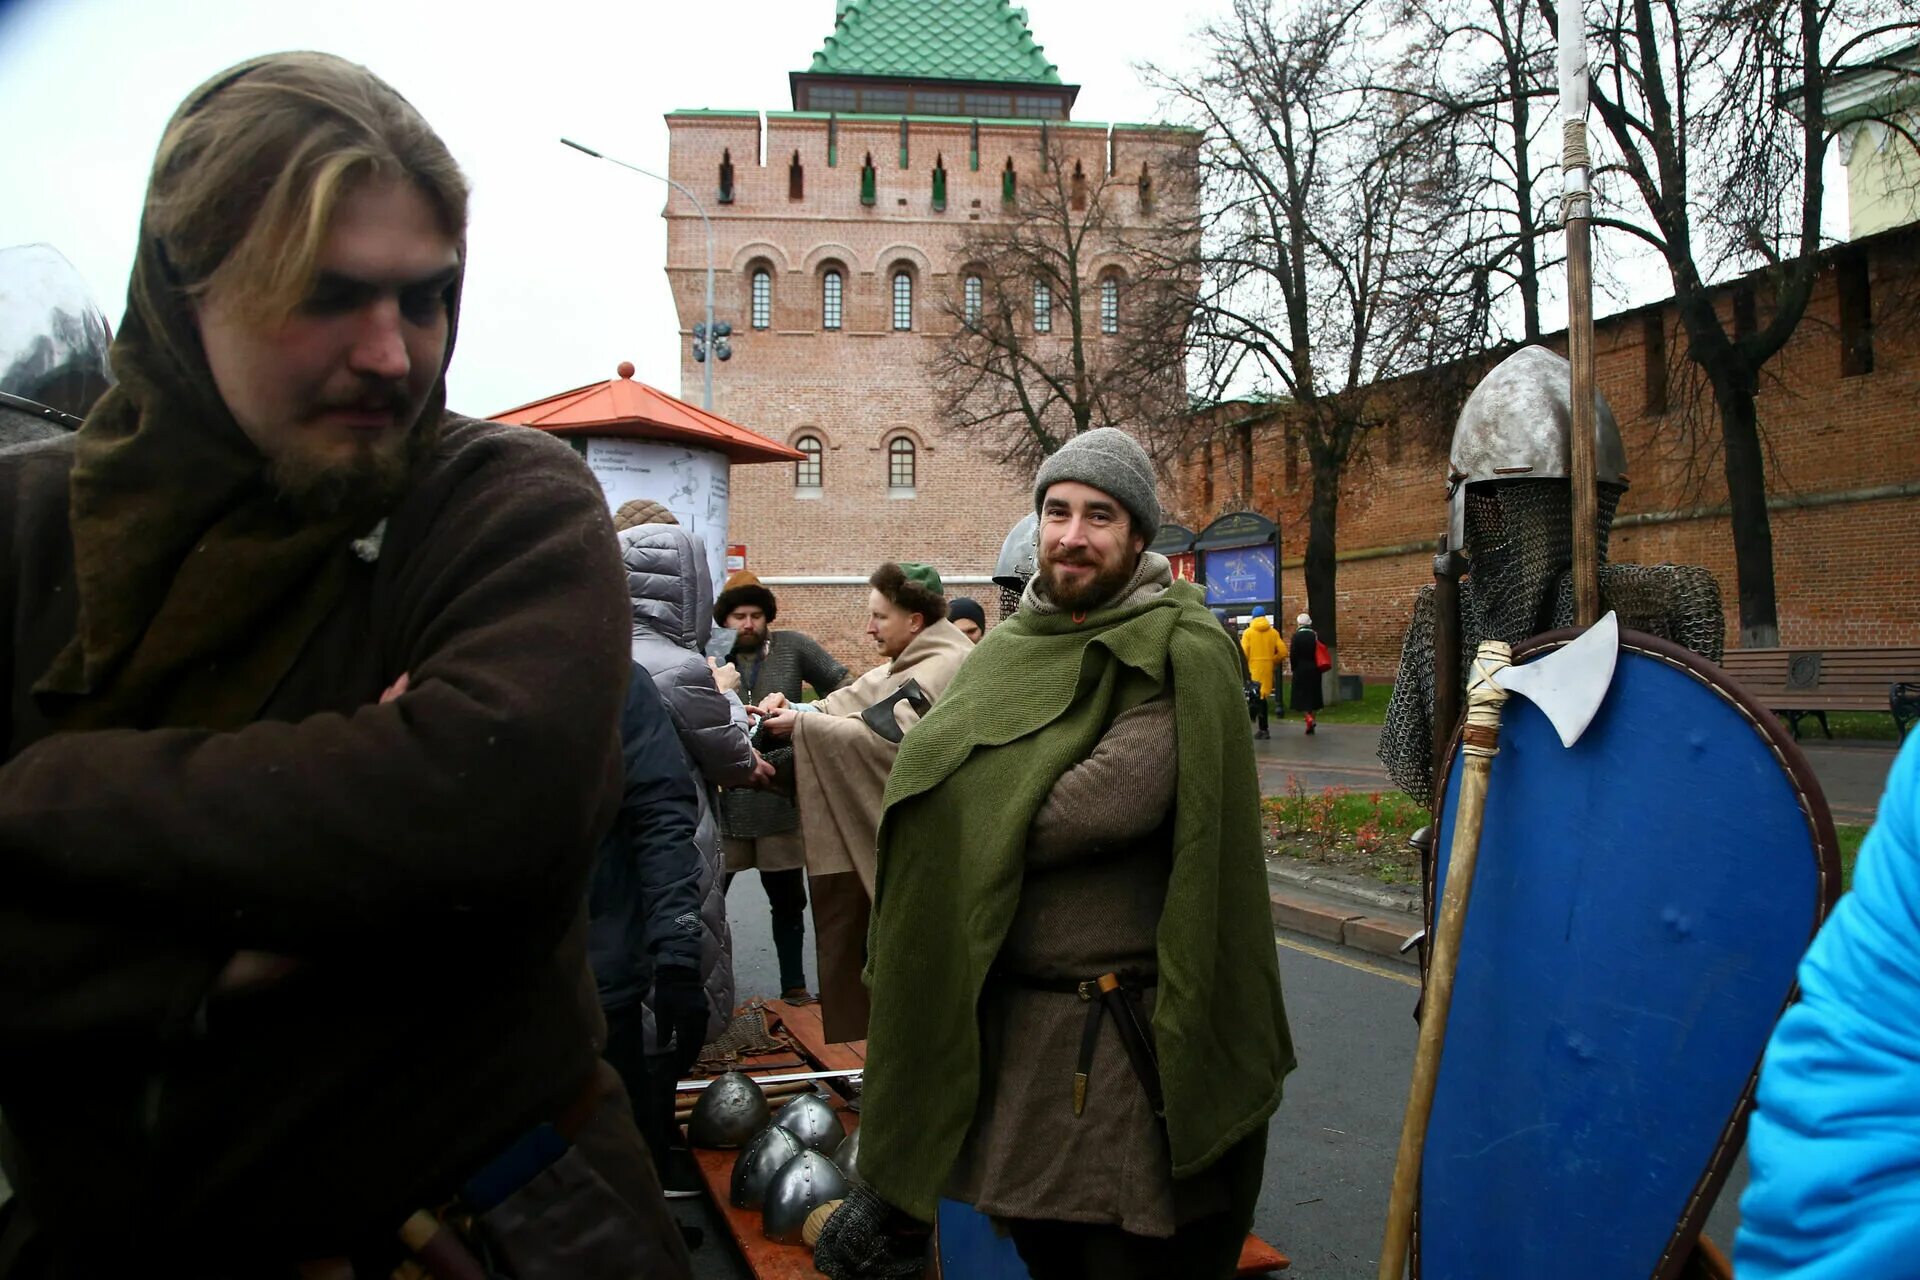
1072 309
1479 80
1715 126
1319 280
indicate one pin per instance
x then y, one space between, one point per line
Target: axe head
1570 683
879 717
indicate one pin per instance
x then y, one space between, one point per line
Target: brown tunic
1098 857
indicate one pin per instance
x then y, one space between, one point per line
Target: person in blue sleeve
1835 1142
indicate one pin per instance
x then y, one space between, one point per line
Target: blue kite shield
1641 902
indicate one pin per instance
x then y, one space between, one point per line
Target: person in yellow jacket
1264 649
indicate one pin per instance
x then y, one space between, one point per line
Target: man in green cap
1070 923
843 749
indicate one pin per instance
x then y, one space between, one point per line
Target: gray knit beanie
1111 461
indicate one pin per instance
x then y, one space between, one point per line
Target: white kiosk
643 443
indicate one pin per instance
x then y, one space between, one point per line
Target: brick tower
835 226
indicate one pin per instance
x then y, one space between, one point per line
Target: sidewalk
1342 755
1354 911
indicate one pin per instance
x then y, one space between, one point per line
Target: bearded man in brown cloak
313 692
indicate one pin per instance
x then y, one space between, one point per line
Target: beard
1101 588
368 483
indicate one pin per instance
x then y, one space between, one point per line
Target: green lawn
1860 726
1850 838
1363 831
1371 709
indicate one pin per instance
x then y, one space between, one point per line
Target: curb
1379 899
1343 926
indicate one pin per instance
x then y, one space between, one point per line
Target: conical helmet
810 1119
1019 555
730 1111
759 1161
53 344
1518 425
808 1181
847 1158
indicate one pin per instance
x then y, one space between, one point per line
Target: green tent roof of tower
935 40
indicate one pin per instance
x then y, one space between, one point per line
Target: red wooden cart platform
813 1052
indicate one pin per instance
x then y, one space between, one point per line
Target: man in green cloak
1077 1021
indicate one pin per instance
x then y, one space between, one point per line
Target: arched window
900 463
830 286
1110 305
762 297
903 300
806 472
1042 307
970 300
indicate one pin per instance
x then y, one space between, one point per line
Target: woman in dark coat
1303 650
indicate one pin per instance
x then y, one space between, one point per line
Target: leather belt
1110 994
601 1082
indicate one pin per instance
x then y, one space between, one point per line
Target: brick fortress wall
1844 477
866 384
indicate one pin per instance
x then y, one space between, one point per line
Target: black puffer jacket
644 899
672 596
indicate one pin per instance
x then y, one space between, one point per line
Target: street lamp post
711 344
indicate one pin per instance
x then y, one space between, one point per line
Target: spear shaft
1576 208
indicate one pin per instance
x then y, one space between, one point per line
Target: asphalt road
1331 1147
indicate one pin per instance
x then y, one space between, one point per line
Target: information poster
1240 575
691 483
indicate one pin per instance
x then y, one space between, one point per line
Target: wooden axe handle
1479 745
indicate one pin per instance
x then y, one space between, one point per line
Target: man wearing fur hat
310 730
1070 927
761 829
843 749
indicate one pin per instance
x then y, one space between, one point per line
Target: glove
868 1239
680 1009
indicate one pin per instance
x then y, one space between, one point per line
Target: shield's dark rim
1813 804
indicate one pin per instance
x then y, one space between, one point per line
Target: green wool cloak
1032 701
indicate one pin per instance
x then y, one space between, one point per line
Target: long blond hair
253 164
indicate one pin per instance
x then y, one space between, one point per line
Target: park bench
1796 683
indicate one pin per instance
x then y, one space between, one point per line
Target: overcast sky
565 277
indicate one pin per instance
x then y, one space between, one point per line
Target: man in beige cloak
840 765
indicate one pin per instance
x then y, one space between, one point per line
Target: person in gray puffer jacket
672 593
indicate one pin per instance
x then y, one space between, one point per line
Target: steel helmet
1518 425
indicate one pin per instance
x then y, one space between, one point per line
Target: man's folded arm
1121 792
465 810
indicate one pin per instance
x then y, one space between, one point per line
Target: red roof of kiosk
627 410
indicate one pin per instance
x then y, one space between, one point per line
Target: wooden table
770 1261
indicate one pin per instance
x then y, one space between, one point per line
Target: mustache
388 397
